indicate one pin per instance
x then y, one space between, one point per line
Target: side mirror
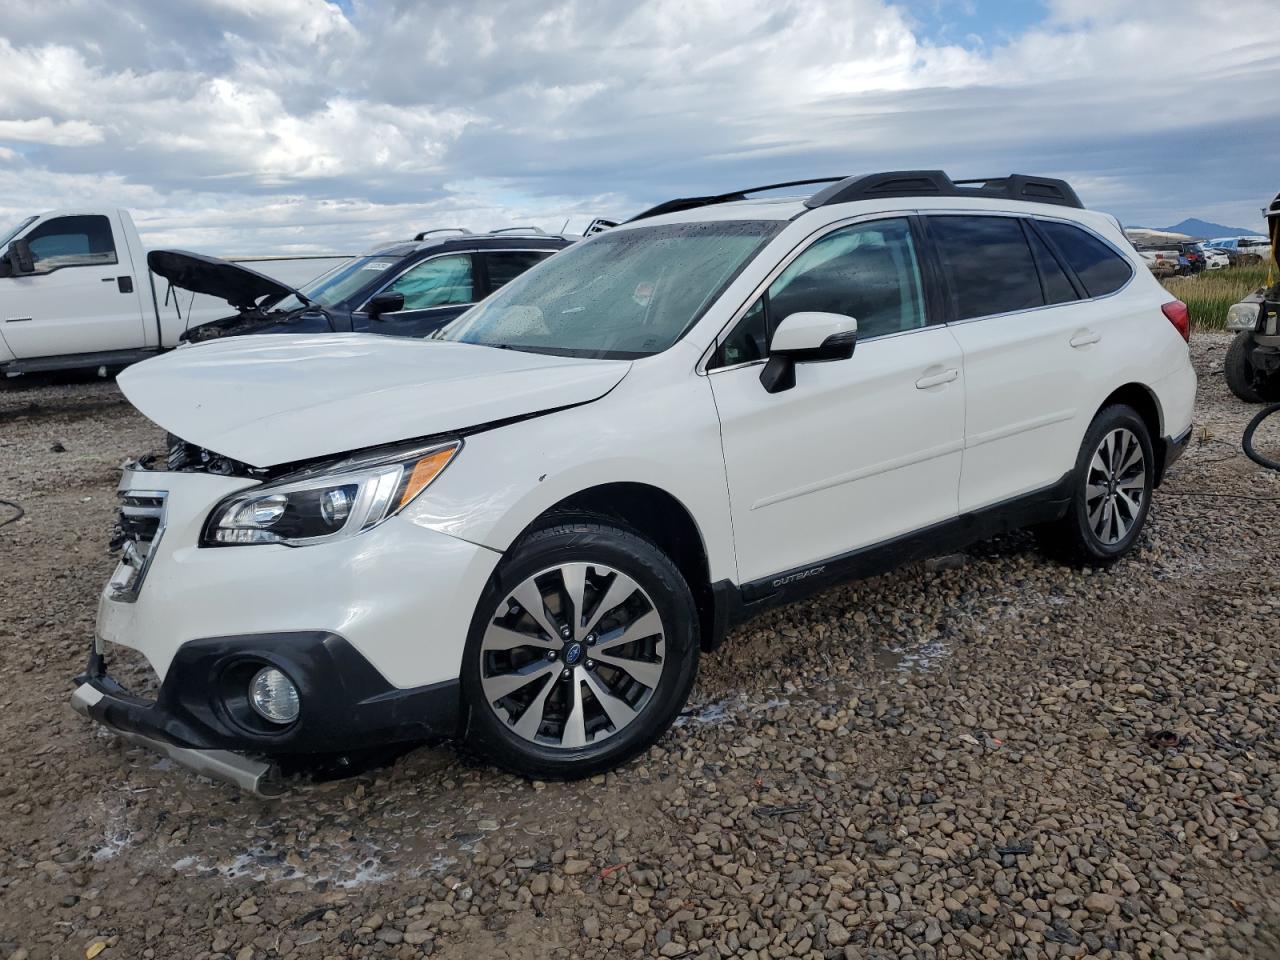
807 338
20 259
386 302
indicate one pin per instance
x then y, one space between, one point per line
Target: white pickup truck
75 292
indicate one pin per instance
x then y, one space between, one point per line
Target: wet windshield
620 295
11 232
330 289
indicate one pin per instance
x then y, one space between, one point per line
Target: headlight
337 500
1242 316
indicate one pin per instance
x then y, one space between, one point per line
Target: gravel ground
952 760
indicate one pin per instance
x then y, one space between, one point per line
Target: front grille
140 514
138 529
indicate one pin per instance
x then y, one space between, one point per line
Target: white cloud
252 125
70 133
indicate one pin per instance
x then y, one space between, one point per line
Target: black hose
1247 440
19 513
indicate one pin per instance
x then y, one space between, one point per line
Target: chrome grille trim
142 514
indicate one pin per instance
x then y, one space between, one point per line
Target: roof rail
935 183
423 235
528 229
689 203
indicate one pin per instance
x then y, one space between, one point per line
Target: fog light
274 696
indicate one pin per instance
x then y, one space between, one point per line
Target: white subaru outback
523 531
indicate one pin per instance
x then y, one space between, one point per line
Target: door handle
17 319
123 284
937 379
1084 338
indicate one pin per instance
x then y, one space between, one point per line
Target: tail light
1179 316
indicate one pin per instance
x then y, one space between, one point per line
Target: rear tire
1111 491
1243 378
599 673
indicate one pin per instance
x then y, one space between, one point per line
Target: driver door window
868 271
439 282
72 242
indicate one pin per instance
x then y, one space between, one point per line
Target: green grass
1209 294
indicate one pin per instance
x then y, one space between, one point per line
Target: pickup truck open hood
278 399
239 286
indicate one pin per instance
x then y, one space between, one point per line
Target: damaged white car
524 531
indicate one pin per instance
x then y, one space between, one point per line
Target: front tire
582 651
1243 379
1111 491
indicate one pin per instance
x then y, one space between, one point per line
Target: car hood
279 399
239 286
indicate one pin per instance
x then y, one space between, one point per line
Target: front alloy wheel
573 656
582 651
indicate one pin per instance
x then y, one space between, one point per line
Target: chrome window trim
803 244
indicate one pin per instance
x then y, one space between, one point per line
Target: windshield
7 235
340 283
620 295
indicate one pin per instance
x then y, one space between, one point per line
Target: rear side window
506 266
72 242
1053 279
988 263
1097 266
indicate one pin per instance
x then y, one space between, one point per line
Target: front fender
667 437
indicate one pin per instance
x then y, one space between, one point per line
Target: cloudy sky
256 126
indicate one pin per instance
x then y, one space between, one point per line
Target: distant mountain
1194 227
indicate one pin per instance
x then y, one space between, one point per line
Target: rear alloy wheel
1111 491
1115 494
583 651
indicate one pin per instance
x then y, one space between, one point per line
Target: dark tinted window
72 242
1099 268
505 267
988 263
1053 279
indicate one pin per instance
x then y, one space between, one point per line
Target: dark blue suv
405 289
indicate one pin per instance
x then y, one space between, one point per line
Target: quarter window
72 242
439 282
988 263
1099 268
868 271
1053 279
506 266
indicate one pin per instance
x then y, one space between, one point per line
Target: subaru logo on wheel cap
572 654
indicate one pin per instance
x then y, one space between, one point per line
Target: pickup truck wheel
1111 491
583 649
1244 380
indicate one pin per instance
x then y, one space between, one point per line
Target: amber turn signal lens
424 471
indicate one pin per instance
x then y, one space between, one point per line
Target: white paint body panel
853 454
393 592
280 398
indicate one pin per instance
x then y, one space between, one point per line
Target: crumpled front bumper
201 713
